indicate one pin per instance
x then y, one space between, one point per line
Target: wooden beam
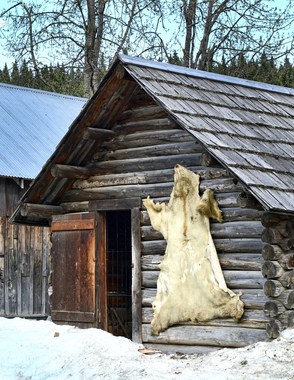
206 335
136 278
40 210
98 134
70 171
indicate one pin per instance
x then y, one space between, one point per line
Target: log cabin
32 124
145 118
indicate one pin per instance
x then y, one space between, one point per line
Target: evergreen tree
15 74
5 76
286 74
25 75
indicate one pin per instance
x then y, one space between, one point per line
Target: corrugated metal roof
32 123
246 125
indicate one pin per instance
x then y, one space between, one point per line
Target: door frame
100 207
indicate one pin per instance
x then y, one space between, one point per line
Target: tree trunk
93 40
189 13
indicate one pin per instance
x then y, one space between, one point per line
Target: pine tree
5 76
15 77
25 75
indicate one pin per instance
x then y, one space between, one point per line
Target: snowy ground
40 350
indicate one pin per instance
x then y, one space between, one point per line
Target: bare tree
84 34
216 29
88 34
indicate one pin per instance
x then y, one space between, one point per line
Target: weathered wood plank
79 224
206 335
77 316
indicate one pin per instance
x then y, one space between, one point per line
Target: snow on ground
39 350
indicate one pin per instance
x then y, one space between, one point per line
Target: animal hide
191 285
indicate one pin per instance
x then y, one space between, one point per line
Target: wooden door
73 269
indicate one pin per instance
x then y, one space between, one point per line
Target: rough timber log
270 219
222 245
98 134
251 318
230 214
252 298
222 230
287 279
40 210
272 269
70 171
234 279
152 177
272 252
208 160
287 260
273 308
273 328
149 138
246 200
152 150
75 206
287 318
206 335
271 236
290 319
145 113
231 261
273 288
147 163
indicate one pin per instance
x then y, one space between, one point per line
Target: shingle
248 126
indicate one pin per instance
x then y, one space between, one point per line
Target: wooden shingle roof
247 126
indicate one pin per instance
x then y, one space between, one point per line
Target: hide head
186 183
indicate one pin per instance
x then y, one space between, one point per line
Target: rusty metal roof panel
32 122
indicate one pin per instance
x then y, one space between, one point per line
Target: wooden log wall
278 269
138 162
24 260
